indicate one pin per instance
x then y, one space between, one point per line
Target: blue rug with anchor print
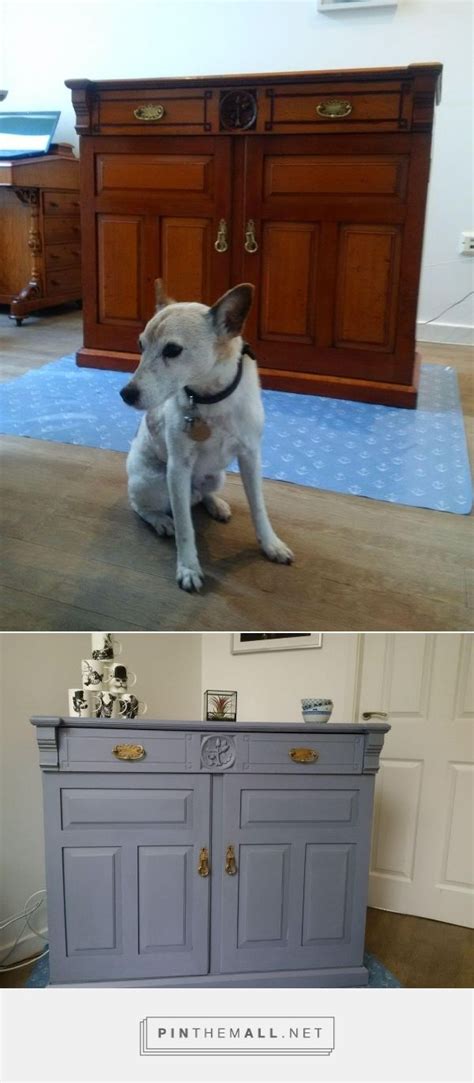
379 976
415 457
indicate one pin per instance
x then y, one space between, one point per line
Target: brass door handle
129 752
374 714
203 867
304 755
220 243
334 108
250 239
149 112
230 865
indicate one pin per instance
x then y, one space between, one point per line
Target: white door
422 850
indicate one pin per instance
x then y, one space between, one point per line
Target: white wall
37 670
45 43
271 684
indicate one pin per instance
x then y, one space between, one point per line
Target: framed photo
346 5
251 642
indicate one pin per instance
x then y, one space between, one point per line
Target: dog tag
199 430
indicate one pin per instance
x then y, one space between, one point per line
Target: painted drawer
318 754
346 106
173 111
123 751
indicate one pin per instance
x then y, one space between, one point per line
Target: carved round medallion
217 750
238 110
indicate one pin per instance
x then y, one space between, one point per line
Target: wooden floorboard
76 557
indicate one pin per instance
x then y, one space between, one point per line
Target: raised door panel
367 286
287 308
125 897
297 899
185 258
120 251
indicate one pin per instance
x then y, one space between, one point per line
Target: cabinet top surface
239 727
409 71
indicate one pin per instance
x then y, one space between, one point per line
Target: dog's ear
231 310
161 299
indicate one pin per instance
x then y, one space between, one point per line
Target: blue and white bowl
316 710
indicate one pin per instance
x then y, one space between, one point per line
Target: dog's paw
189 579
277 550
163 524
217 508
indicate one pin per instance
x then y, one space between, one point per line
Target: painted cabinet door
125 896
298 898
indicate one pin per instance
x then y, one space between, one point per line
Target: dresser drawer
64 280
58 230
61 203
306 755
172 111
124 750
304 108
62 255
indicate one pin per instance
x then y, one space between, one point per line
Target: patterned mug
79 705
316 710
130 706
92 674
118 678
105 705
105 646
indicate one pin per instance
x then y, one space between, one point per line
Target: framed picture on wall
250 642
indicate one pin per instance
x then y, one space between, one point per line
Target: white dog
200 389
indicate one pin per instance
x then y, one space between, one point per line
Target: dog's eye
172 349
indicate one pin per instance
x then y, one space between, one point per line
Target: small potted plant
220 706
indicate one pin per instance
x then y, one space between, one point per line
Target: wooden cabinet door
157 203
328 214
298 898
125 899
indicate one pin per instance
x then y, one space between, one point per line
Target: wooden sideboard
195 855
40 232
311 185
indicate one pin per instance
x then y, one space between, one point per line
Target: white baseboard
461 334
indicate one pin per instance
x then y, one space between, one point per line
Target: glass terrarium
220 706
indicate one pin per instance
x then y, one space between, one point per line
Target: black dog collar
208 400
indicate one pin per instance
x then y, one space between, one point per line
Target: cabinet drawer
59 230
321 754
97 750
64 280
62 255
61 203
297 108
180 111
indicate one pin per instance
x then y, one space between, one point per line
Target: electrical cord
461 299
25 915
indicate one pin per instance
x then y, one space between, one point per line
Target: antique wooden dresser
189 854
40 232
311 185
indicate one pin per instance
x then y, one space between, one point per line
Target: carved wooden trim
80 95
47 739
373 747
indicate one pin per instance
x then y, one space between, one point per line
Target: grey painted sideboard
192 854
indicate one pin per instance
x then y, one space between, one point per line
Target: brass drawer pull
304 755
149 112
220 243
335 107
129 752
203 867
230 865
250 239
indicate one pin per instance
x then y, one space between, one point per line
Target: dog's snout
130 394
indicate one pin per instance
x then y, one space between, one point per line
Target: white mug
118 678
105 646
92 674
79 703
130 707
105 705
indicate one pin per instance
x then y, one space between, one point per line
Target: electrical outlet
467 243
